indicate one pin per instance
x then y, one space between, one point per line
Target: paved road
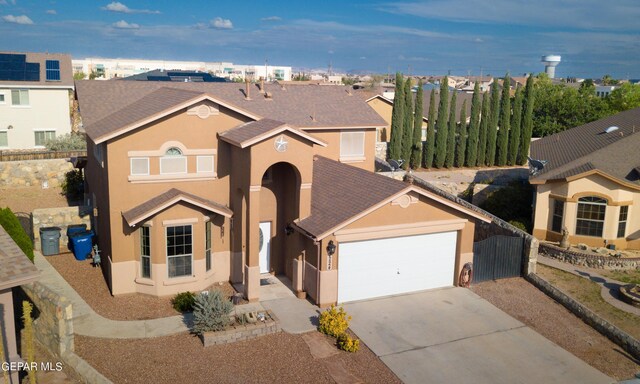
454 336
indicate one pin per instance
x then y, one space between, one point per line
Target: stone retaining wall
613 333
587 260
59 217
33 172
242 332
381 150
54 330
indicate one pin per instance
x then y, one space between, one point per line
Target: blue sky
594 37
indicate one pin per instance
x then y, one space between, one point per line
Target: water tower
550 63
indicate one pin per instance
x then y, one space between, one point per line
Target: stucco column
252 266
305 200
9 331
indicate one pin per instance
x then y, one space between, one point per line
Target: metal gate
497 257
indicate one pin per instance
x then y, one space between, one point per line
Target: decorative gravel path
526 303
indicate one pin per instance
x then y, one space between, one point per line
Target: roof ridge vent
612 128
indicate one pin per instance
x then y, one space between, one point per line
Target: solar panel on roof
14 67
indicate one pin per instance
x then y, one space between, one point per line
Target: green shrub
68 142
334 321
346 343
183 301
211 312
511 203
73 184
518 224
11 224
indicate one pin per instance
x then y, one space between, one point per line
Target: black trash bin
50 240
73 229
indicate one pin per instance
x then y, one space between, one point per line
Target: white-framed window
351 144
41 137
4 139
3 98
558 214
139 166
207 244
622 220
590 217
20 97
205 164
179 250
145 252
173 162
423 135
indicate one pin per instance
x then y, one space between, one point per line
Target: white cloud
5 2
22 19
51 12
272 18
118 7
124 25
220 23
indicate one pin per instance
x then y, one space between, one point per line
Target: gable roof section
173 196
307 107
341 194
252 132
15 267
588 149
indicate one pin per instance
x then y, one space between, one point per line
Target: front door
264 244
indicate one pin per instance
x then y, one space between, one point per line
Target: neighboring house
177 75
34 98
197 183
384 107
15 270
591 183
605 90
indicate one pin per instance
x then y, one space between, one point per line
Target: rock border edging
587 260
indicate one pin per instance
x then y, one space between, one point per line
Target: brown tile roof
248 133
340 192
143 211
66 70
15 268
588 147
301 106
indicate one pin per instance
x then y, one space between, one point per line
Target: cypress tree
527 122
514 134
430 150
462 136
416 149
397 117
505 123
492 128
474 128
407 130
451 135
441 124
482 138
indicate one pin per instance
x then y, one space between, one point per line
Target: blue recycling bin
82 243
72 230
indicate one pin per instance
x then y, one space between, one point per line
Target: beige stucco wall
592 185
332 150
48 110
385 110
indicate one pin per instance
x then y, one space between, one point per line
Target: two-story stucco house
34 98
196 183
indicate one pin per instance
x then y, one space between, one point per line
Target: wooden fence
39 155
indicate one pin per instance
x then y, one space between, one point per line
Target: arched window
590 218
173 162
173 151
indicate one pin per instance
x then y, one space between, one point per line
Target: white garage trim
397 265
396 230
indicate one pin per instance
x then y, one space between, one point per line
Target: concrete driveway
454 336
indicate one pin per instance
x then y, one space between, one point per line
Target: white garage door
383 267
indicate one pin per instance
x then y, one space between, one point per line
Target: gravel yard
529 305
92 287
277 358
26 199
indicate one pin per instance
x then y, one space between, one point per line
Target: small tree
407 130
416 149
211 312
451 135
430 150
462 136
527 122
505 123
492 128
442 124
79 75
397 120
514 134
67 142
484 124
474 127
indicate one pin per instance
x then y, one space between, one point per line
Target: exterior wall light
331 248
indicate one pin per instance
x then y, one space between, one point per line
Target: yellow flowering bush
346 343
334 321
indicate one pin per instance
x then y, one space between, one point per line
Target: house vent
611 129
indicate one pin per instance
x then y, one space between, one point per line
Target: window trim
595 201
355 156
45 131
173 157
621 222
20 90
142 255
131 166
208 229
3 101
166 248
213 164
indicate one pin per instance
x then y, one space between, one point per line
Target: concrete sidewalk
609 287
